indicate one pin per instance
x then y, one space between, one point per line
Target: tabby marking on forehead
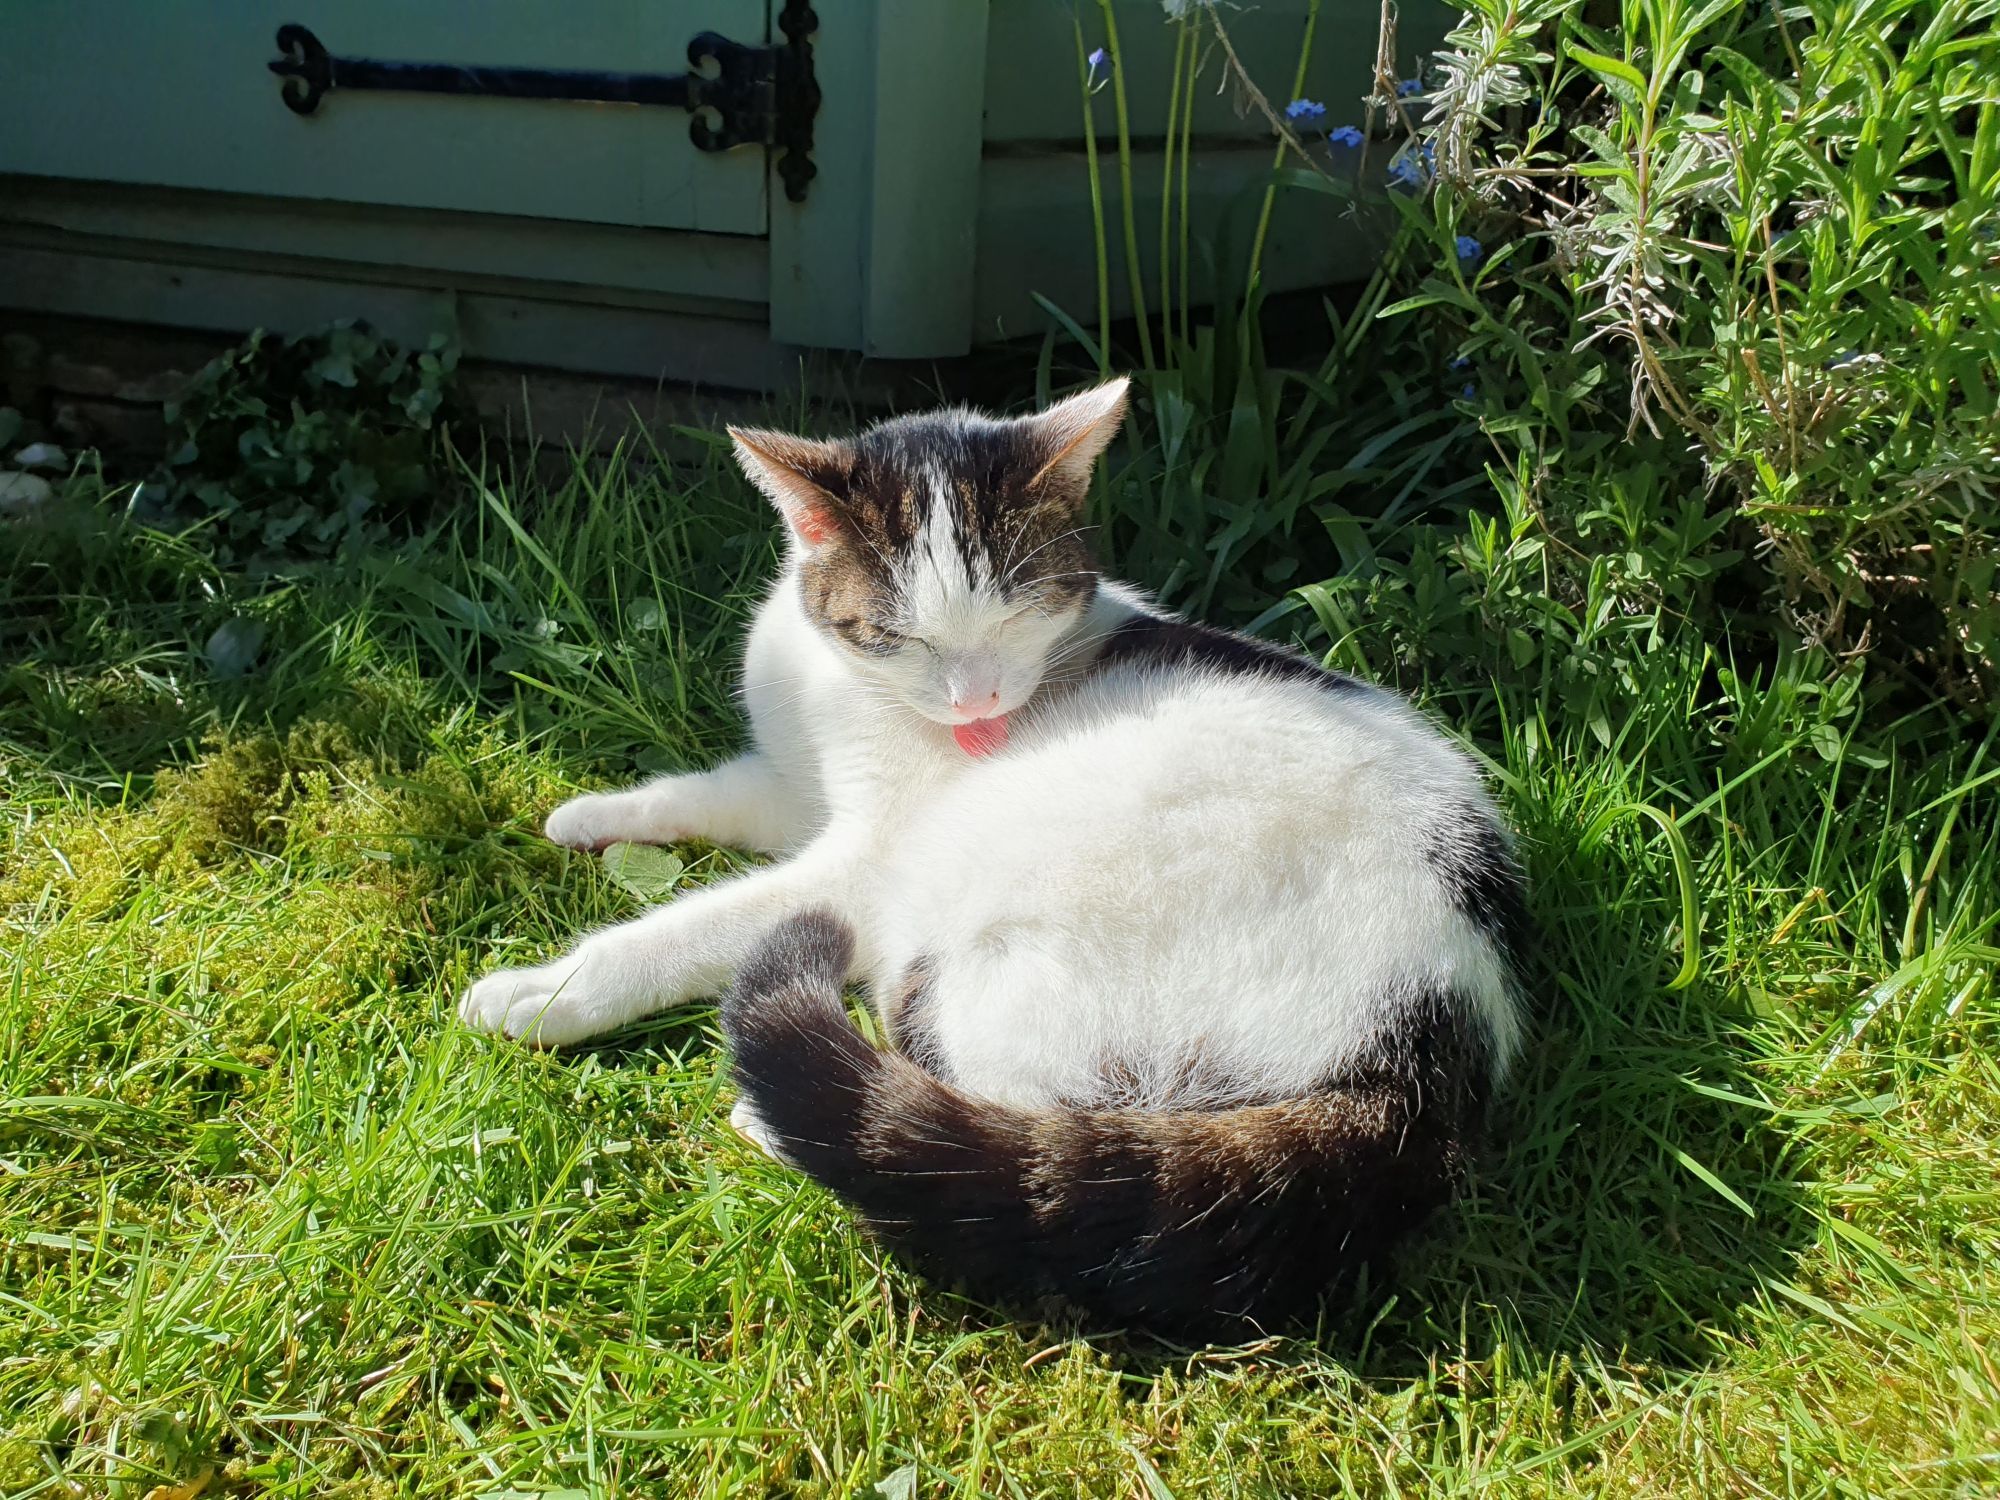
968 494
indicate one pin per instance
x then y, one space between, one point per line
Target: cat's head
945 553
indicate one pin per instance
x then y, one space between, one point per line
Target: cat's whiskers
1014 568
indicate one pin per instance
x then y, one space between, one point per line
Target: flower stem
1096 208
1167 195
1192 19
1278 156
1132 270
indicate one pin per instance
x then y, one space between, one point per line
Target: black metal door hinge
757 96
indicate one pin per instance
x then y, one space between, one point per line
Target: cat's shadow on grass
1624 1209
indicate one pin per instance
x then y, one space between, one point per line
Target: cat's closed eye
868 635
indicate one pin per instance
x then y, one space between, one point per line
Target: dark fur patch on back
1182 643
1475 859
1438 1046
1181 1221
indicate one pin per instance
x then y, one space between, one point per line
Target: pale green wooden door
176 93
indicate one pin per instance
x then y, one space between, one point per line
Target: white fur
1174 874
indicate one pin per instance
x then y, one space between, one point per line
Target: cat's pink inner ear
783 466
812 523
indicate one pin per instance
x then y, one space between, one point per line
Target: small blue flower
1304 109
1470 391
1411 167
1409 87
1346 135
1463 362
1469 248
1098 59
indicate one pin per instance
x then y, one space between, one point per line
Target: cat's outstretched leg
743 803
689 948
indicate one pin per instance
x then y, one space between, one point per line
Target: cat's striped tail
1174 1220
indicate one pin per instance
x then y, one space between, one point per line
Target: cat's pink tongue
981 736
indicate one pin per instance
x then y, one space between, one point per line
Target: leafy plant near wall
1697 307
1783 223
300 447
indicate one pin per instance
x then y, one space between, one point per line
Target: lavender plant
1772 221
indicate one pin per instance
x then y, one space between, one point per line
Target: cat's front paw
549 1005
591 822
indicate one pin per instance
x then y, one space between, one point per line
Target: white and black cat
1199 960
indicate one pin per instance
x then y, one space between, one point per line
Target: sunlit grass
267 1214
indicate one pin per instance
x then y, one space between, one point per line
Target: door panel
176 92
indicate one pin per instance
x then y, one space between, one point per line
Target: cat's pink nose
975 707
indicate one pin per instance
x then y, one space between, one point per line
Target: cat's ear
798 475
1071 435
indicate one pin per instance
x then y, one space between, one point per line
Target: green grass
268 1214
